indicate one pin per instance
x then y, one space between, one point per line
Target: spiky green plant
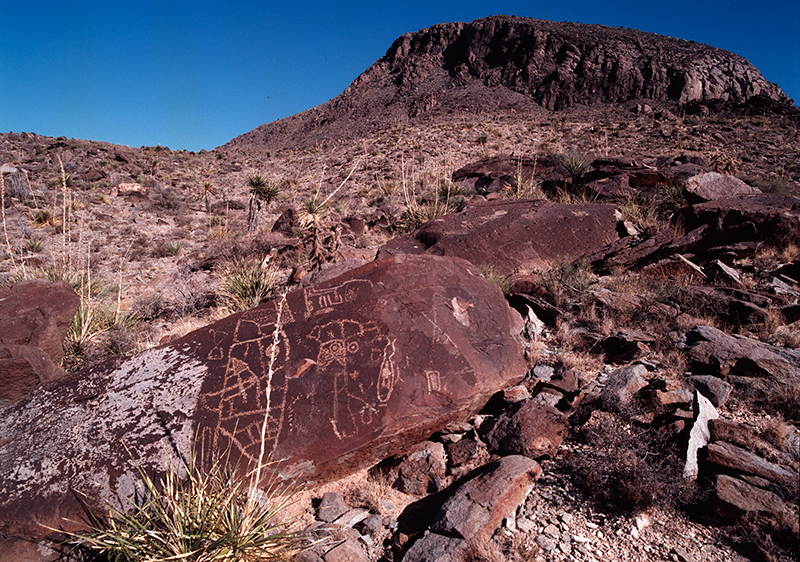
211 515
575 165
261 191
248 283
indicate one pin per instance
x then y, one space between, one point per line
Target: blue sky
196 74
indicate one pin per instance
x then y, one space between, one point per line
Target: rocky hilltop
520 65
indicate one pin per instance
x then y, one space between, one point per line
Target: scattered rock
331 507
423 470
622 385
528 429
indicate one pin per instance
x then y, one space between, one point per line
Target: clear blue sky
196 74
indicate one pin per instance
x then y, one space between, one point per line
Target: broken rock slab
713 185
700 434
719 352
476 510
346 373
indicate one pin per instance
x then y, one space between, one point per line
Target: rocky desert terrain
564 259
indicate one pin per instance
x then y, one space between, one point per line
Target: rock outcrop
513 64
345 373
513 235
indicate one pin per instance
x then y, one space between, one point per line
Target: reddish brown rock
496 173
38 313
364 366
736 458
735 497
527 429
22 369
739 355
513 235
479 506
423 470
476 510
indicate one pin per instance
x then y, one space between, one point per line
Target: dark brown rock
22 369
38 313
496 174
423 470
734 498
513 235
736 458
348 551
527 429
478 507
738 355
285 221
365 365
714 388
331 507
622 385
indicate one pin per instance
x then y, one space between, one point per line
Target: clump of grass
249 282
496 277
42 217
568 280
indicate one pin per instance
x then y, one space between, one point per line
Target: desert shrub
212 515
168 199
246 283
575 164
626 467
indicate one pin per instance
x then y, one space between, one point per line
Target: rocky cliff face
511 64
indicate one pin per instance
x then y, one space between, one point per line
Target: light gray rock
699 435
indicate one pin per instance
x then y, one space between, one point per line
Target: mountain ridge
510 64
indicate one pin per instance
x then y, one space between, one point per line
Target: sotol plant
261 191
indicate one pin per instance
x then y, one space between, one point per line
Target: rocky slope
519 65
619 347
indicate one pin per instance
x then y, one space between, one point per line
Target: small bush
213 515
248 283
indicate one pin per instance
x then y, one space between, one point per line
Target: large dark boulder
344 373
513 235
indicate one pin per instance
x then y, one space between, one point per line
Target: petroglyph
346 348
351 361
319 301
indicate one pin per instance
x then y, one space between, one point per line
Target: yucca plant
247 283
261 191
212 514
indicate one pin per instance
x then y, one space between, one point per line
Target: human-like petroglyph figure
348 351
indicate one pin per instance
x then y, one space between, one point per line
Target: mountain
506 64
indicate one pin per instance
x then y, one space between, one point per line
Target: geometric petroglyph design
349 351
355 360
325 300
434 380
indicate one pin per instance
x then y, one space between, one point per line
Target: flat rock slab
712 185
726 354
513 235
364 366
